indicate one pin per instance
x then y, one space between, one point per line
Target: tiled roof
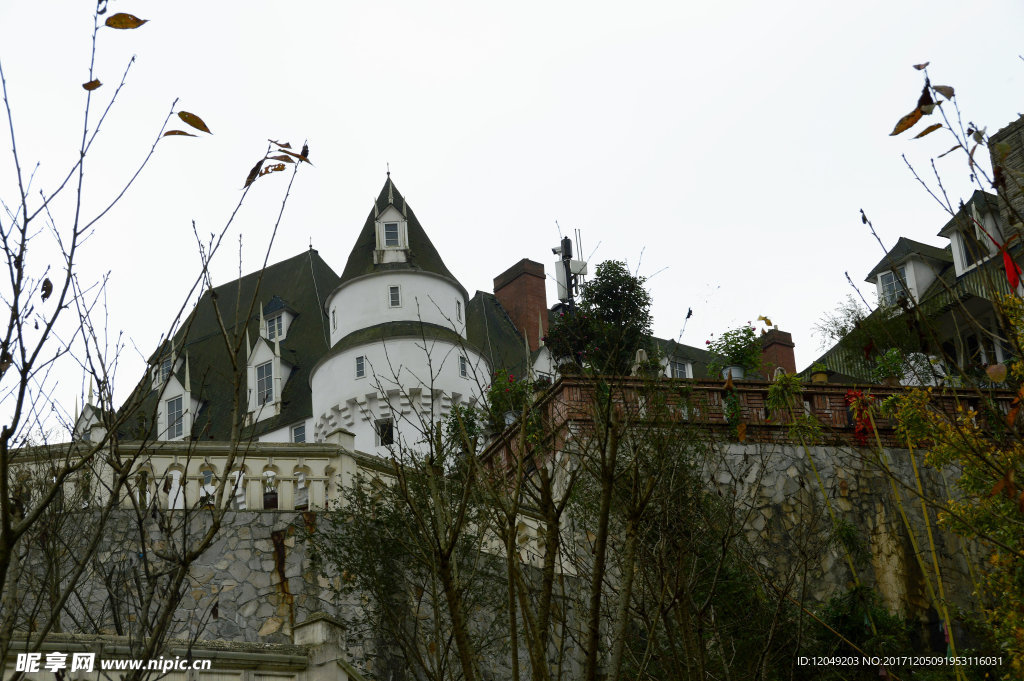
422 254
303 280
904 249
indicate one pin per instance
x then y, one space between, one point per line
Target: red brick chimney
520 290
777 351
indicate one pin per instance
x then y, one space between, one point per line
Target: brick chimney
777 351
520 290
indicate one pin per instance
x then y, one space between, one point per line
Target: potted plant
736 352
889 367
819 373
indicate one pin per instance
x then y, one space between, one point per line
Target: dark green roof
391 330
422 254
491 331
698 357
904 249
982 201
303 281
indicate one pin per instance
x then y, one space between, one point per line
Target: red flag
1013 270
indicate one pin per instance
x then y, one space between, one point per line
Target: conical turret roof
422 254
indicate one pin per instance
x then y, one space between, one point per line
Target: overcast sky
721 149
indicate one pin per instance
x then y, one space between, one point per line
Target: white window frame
175 425
463 366
891 284
265 384
398 235
301 428
361 366
275 327
675 364
166 366
394 291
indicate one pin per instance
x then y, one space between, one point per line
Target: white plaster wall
364 302
285 434
398 384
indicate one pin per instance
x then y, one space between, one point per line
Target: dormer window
275 327
391 239
890 286
678 369
165 369
972 251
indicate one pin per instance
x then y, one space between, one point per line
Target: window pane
299 433
174 420
390 234
463 369
264 383
395 295
275 326
360 366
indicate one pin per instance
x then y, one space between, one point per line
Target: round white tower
399 358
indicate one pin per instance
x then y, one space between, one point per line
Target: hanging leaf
997 372
925 99
276 168
1011 417
46 289
741 432
123 21
305 153
91 85
944 90
178 132
193 120
929 130
254 173
922 67
283 145
906 122
949 152
766 321
282 157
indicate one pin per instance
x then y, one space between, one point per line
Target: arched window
175 488
269 489
237 498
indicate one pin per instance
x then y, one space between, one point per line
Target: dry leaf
283 145
178 132
922 67
254 173
927 131
193 120
282 157
925 99
944 90
766 321
122 20
47 288
997 372
741 432
277 167
907 122
1011 417
949 152
91 85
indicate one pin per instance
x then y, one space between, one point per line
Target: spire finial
389 168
